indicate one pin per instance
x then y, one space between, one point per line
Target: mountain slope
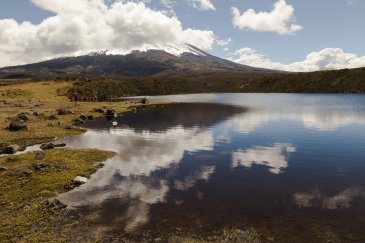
177 60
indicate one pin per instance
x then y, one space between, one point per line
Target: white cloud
280 20
91 25
202 4
326 59
223 42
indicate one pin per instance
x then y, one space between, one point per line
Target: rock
98 110
40 155
64 111
78 121
60 145
48 146
83 117
144 101
2 169
52 117
55 203
110 112
12 149
79 180
24 116
40 167
37 113
28 173
90 117
18 126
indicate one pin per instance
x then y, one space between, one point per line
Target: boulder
79 180
64 111
18 125
12 149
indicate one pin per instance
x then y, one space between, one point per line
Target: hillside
177 61
337 81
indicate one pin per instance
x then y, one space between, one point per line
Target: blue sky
329 29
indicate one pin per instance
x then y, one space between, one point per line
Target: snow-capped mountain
157 60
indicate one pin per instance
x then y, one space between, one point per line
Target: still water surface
291 166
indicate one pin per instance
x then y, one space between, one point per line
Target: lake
292 166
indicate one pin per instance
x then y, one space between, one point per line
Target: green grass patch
24 191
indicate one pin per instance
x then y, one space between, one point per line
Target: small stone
83 117
52 117
64 111
37 113
98 110
54 202
59 145
79 180
78 121
24 116
40 167
27 173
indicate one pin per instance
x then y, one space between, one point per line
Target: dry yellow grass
44 97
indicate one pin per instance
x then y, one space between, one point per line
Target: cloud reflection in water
275 157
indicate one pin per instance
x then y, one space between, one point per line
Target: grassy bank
26 184
43 97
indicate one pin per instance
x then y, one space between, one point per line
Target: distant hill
170 60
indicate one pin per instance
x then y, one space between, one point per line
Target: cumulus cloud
202 4
280 20
91 25
326 59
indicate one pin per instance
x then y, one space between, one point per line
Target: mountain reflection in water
280 163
